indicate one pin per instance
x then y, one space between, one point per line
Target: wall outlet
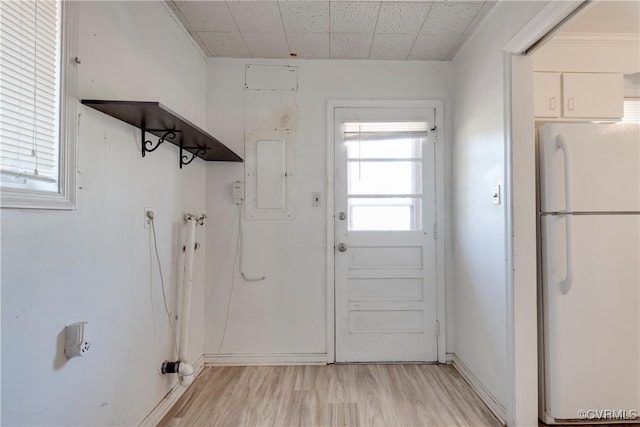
148 216
315 200
74 343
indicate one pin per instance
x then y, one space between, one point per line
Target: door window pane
385 214
400 147
384 175
384 178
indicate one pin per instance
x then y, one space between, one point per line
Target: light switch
496 195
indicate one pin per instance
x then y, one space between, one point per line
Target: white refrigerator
589 200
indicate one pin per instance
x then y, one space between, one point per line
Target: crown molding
596 39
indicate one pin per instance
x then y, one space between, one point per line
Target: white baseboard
163 407
198 366
492 403
257 359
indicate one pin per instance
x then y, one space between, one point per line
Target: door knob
342 247
342 216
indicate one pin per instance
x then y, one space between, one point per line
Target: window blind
384 130
631 111
29 87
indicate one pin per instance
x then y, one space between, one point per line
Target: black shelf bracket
147 146
184 154
167 126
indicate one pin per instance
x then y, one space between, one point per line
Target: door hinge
435 231
437 328
435 135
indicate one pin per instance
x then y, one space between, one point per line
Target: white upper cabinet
592 95
578 95
547 101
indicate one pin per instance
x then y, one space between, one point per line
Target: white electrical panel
269 174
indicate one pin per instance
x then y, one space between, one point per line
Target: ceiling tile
256 16
450 16
225 44
174 9
354 16
309 45
267 45
402 17
430 48
332 29
350 46
391 46
207 16
305 16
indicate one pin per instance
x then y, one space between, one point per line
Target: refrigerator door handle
562 145
565 284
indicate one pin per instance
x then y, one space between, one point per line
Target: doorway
385 234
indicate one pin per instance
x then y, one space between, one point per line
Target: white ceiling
395 30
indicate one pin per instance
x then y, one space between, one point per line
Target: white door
385 248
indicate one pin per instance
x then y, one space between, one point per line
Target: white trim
542 25
198 366
450 357
443 226
595 40
174 14
65 197
265 359
441 216
483 393
330 192
510 386
162 408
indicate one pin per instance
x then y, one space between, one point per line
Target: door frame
439 160
520 211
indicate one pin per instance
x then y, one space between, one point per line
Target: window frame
415 131
65 197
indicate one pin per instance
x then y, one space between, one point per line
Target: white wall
589 55
479 227
93 264
286 313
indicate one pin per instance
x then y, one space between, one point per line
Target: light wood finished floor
333 395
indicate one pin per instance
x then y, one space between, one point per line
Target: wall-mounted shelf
160 121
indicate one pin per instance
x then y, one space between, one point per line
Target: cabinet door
592 95
546 94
